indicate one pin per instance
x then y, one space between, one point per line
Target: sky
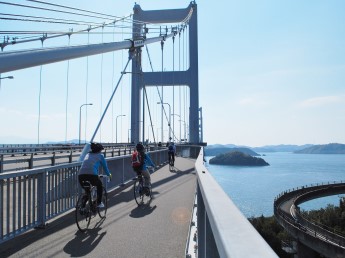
270 72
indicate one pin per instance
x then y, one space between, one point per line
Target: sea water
253 189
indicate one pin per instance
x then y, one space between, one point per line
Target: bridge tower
190 77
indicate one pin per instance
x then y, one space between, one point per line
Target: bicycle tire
83 213
137 189
140 197
102 212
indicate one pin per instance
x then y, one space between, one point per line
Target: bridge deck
129 231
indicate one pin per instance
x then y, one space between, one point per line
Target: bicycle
142 195
86 206
171 161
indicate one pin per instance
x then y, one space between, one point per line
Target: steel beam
16 60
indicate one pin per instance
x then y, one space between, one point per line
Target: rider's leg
147 177
97 182
82 178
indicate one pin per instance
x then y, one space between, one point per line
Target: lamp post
116 125
184 129
180 124
129 134
87 104
164 103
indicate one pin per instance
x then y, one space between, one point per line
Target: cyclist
89 170
146 161
172 152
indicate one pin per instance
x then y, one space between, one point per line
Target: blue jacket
147 162
91 164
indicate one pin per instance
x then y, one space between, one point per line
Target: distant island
221 150
331 148
237 158
215 149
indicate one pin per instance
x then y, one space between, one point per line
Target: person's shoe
100 205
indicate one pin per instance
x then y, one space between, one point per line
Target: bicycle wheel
103 211
138 192
83 212
141 197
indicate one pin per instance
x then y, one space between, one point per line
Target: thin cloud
322 101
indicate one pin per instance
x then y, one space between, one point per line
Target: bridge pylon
190 77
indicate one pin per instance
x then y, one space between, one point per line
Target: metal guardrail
29 198
223 231
13 149
28 160
17 158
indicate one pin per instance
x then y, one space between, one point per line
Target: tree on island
237 158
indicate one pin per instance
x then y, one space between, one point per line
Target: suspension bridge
96 84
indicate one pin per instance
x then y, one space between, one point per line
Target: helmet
96 147
140 147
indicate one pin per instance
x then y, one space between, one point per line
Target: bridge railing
318 229
223 231
27 160
27 157
22 149
301 223
30 198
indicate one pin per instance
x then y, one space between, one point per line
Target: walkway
160 230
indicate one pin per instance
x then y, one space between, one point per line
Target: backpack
137 160
171 148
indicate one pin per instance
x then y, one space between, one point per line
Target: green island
236 158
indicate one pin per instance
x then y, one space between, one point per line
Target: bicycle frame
87 205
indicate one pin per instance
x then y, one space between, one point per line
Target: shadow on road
142 211
85 242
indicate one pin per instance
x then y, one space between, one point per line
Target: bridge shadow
119 195
28 238
178 173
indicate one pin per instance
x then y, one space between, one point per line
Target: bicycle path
157 230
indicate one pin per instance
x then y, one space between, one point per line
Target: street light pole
184 123
180 124
128 134
88 104
169 117
116 125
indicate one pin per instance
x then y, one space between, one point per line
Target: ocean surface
253 189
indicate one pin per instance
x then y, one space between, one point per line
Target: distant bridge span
310 237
